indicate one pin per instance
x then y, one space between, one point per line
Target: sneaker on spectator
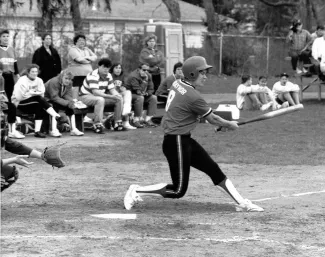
304 70
15 134
76 132
129 126
265 107
285 104
55 133
299 71
99 128
87 119
39 134
119 126
137 124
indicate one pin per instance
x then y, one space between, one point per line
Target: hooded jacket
139 85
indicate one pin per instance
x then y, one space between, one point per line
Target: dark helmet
193 65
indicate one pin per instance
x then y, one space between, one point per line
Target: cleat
248 206
131 197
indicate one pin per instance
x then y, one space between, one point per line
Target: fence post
267 55
220 55
121 47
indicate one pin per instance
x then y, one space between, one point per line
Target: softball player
183 109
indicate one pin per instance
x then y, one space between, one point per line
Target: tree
173 9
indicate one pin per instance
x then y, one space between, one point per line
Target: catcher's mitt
9 175
51 155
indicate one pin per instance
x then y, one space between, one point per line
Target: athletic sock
227 187
152 190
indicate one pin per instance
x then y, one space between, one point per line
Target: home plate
116 216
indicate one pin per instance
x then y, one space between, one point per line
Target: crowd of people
47 92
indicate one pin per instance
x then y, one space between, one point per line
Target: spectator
150 55
318 33
98 90
299 40
139 82
165 85
9 62
284 91
28 98
254 97
318 49
80 59
8 108
118 80
58 91
48 59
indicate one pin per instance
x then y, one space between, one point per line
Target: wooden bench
315 81
81 113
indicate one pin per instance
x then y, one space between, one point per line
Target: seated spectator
318 50
254 97
98 90
299 40
286 91
139 82
163 89
28 97
8 108
58 91
118 80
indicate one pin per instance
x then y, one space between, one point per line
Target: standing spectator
118 80
139 82
154 57
299 40
8 108
98 90
286 91
58 91
9 62
48 59
28 96
165 85
318 49
80 59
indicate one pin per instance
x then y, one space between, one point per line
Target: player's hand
19 160
232 125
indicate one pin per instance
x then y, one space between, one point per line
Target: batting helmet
193 65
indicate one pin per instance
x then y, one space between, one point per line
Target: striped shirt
94 81
300 40
184 108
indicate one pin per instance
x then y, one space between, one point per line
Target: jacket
138 85
153 57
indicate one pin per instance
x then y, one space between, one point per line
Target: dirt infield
48 211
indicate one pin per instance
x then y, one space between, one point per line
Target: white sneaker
285 104
87 119
131 197
304 70
248 206
264 107
80 105
76 132
299 71
128 126
55 133
16 134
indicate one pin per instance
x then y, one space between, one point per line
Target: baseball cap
4 31
283 74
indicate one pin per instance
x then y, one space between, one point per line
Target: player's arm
220 122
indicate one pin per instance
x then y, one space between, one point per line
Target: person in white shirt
254 97
286 91
318 50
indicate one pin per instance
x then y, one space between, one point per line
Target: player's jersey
94 81
184 108
8 58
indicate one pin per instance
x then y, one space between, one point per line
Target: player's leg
126 111
74 131
177 151
252 102
201 160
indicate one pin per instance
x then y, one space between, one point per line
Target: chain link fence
232 55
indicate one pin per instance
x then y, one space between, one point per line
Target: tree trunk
309 15
315 13
174 10
45 24
76 16
211 18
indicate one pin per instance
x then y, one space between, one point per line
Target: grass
292 139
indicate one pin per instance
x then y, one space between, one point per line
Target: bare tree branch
279 4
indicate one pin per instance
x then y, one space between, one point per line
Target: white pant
127 98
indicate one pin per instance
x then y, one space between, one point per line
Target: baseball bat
270 115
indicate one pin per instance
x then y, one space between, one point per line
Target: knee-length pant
183 152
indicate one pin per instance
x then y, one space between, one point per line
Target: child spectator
286 91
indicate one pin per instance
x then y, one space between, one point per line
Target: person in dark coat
48 59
